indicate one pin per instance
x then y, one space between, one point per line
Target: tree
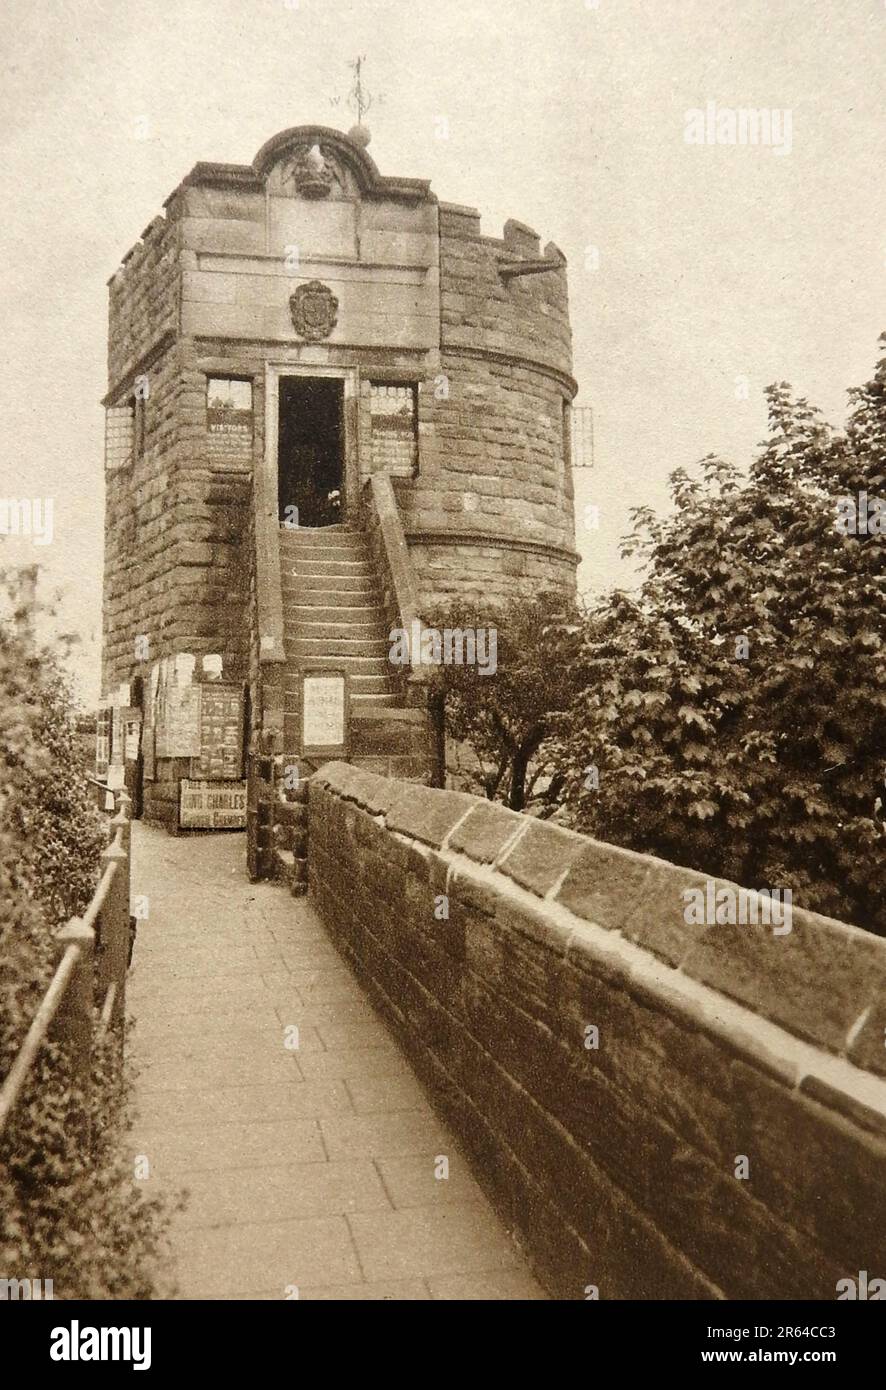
502 720
734 708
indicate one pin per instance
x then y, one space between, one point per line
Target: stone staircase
333 615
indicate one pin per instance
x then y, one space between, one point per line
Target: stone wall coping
379 490
808 1006
459 209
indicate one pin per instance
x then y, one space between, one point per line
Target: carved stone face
313 172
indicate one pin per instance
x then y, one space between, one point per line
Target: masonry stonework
448 353
606 1065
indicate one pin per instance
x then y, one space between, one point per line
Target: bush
67 1215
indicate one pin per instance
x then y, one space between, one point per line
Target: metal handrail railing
93 957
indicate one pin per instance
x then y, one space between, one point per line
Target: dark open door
310 453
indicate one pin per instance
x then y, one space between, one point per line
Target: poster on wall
149 771
221 732
324 713
178 728
132 728
212 805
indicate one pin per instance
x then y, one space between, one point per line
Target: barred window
118 437
394 409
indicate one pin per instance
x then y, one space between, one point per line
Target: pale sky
713 263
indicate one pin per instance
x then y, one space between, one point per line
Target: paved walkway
309 1169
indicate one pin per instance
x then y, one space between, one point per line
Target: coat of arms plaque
314 310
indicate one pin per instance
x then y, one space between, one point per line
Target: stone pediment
316 162
315 171
312 162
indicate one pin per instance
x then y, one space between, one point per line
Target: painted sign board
178 722
324 713
207 805
221 732
132 726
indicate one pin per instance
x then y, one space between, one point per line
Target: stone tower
333 406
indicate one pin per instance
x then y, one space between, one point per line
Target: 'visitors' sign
212 805
324 713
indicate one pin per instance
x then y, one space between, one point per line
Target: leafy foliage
734 708
66 1214
505 720
729 715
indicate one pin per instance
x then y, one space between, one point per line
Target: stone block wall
493 441
486 497
143 301
176 532
140 532
612 1070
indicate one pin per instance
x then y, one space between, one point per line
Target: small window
229 418
228 393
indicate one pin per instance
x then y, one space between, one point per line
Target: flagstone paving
311 1168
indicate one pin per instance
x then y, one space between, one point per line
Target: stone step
297 554
360 701
318 533
356 569
355 667
403 717
296 542
364 585
374 633
317 540
379 684
338 612
362 648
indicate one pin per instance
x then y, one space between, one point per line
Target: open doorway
310 451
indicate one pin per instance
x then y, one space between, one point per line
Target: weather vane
359 99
